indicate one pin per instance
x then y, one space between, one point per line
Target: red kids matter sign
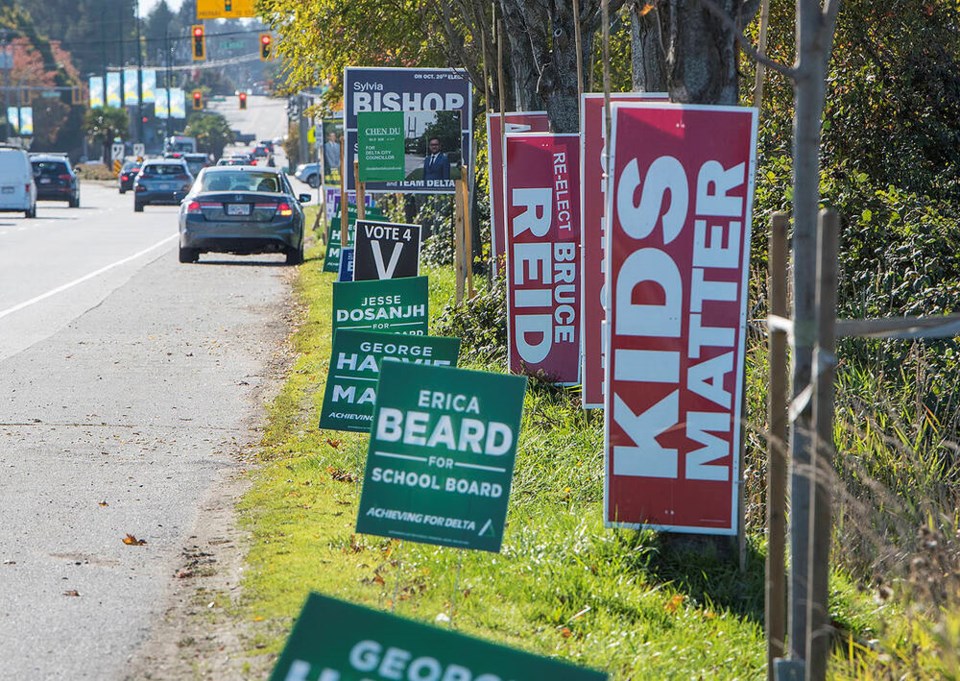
677 258
543 255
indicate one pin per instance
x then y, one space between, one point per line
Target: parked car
161 181
242 210
309 173
55 179
18 191
128 174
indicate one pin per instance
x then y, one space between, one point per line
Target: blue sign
346 264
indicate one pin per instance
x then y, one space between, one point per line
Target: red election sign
543 255
592 191
518 121
678 256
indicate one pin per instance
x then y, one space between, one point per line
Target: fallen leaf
674 603
184 574
104 503
130 540
378 579
72 592
566 633
334 443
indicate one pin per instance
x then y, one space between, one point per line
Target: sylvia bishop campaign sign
543 255
440 461
678 254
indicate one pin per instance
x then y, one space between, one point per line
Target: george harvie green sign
441 453
355 369
337 641
389 305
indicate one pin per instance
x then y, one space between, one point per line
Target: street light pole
139 75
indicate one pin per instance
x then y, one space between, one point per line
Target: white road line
75 282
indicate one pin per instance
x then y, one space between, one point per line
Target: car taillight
124 178
194 208
284 209
65 177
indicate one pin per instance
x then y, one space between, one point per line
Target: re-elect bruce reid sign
677 258
407 89
440 461
386 250
391 305
337 641
592 191
355 369
542 182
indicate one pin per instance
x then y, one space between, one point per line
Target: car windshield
240 181
165 169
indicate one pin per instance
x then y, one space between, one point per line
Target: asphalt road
128 384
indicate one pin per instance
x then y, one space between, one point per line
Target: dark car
55 179
128 174
196 162
161 181
242 210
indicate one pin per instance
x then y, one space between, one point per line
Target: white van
18 192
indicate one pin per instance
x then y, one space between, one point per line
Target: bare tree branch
745 44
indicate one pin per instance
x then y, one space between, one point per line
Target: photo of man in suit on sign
436 165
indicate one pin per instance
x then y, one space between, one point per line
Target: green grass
633 604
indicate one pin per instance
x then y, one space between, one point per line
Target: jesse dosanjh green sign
390 305
355 368
441 453
337 641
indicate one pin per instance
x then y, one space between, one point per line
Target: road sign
340 641
116 151
440 460
139 149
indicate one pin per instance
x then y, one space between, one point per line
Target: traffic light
199 43
197 100
243 100
265 40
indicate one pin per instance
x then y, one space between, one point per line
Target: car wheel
32 212
137 207
189 254
75 203
122 190
313 181
295 256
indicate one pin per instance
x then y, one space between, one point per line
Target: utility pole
139 75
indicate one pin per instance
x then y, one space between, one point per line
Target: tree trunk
647 56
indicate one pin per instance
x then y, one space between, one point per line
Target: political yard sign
593 188
380 146
337 641
677 262
437 105
355 365
543 255
385 250
391 305
346 265
440 460
331 260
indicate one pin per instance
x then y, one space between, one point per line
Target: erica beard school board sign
355 363
677 262
337 641
440 461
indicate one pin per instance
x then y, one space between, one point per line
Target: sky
146 6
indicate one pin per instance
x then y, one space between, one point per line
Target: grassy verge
633 604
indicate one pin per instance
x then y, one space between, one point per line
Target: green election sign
355 368
331 261
381 152
441 453
388 305
337 641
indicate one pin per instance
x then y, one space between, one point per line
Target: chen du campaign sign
592 192
514 121
391 305
355 365
440 460
380 147
386 250
677 256
437 123
543 255
337 641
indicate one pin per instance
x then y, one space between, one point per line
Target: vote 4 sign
355 369
440 461
385 250
392 305
543 255
337 641
678 254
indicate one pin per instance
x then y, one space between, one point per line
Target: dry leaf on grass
130 540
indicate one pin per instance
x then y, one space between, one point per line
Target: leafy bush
480 324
